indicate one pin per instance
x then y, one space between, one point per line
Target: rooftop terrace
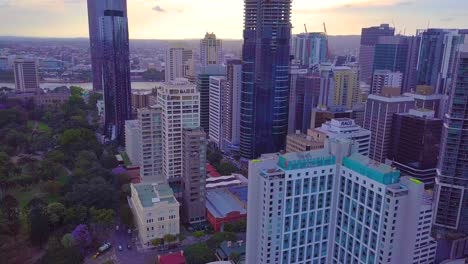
150 194
372 169
302 160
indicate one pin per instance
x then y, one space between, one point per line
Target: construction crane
305 27
328 44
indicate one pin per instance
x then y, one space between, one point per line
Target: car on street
129 246
120 248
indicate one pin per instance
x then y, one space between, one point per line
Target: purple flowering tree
82 236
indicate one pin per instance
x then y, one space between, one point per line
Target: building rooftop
302 160
240 192
150 194
390 99
372 169
172 258
226 248
220 203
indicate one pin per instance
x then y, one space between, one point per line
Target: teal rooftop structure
303 160
372 169
150 194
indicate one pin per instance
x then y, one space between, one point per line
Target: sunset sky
177 19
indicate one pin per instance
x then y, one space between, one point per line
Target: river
87 86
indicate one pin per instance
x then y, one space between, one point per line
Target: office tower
344 128
264 109
231 101
290 207
346 86
424 97
415 144
217 90
327 86
111 64
151 146
179 63
299 142
26 75
132 141
358 113
320 115
380 218
436 57
305 98
180 103
451 221
369 38
96 10
310 48
378 119
210 50
391 53
335 206
203 87
194 160
385 78
295 71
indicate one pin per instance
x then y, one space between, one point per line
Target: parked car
120 248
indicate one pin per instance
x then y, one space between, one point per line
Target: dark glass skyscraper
369 38
451 215
265 88
110 61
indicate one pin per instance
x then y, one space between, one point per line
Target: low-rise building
172 258
156 211
299 142
227 249
225 206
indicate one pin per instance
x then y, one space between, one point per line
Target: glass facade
452 183
111 64
265 88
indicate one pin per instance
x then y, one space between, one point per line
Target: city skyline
150 19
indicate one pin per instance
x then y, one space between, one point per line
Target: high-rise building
290 208
96 11
203 87
415 144
302 101
380 218
378 119
4 64
210 50
425 98
194 174
264 109
140 99
231 100
151 146
310 48
26 75
180 103
436 57
369 38
179 63
451 219
132 141
346 86
385 78
217 90
344 128
327 86
111 63
335 206
398 54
